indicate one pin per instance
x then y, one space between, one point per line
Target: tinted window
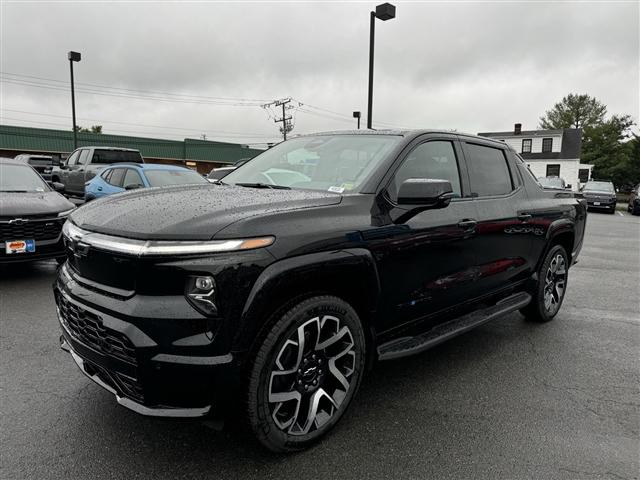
433 160
488 170
159 178
20 178
117 176
115 156
131 177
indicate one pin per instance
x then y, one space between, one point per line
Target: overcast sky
466 66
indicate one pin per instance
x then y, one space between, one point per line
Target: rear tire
305 374
551 287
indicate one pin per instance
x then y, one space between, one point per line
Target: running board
405 346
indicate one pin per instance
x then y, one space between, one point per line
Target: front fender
350 274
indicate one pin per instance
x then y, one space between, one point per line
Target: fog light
201 293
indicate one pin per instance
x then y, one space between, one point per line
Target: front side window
73 159
84 157
547 145
334 163
131 177
526 145
488 170
434 160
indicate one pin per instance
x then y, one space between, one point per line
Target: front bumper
45 249
604 204
136 360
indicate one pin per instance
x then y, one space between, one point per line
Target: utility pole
73 57
286 120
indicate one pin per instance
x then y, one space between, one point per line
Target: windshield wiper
17 191
264 185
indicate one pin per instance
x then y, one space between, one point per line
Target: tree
93 129
574 111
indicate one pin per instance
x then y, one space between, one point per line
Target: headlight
66 212
161 247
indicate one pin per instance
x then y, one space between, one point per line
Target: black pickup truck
268 294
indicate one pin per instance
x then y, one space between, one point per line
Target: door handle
100 188
523 217
467 224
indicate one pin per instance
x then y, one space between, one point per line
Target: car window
106 157
433 160
488 171
131 177
72 160
160 178
84 157
594 186
117 175
106 174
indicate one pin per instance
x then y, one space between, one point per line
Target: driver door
427 263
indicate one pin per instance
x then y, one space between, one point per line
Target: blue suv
129 176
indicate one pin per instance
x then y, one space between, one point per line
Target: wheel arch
350 275
561 232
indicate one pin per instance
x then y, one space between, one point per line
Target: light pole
357 115
73 57
384 12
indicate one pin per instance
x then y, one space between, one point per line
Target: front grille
88 328
31 229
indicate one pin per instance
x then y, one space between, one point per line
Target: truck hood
195 212
17 204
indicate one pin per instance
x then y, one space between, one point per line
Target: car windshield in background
335 163
40 161
599 187
553 182
161 178
19 178
115 156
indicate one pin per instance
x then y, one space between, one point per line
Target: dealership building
202 155
549 153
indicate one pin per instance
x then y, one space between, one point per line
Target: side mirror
568 186
63 166
57 186
425 192
133 186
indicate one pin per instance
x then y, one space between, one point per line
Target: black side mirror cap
425 192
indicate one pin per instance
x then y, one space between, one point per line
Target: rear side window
132 178
117 175
488 170
106 157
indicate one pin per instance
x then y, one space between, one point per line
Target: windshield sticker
336 189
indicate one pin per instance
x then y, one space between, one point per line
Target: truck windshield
599 187
334 163
20 178
116 156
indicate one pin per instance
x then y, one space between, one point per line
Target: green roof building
201 154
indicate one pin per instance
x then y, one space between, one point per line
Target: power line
287 124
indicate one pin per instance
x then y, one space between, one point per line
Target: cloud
469 66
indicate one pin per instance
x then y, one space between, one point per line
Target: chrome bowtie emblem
18 221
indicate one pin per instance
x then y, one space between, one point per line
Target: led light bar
141 248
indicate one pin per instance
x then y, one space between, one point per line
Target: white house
549 153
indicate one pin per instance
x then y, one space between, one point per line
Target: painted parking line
621 214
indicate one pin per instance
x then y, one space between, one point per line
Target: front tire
305 374
551 287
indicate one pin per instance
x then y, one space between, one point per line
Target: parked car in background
43 164
130 176
31 214
83 164
553 182
600 195
271 294
219 173
634 201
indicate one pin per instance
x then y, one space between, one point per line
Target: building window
526 145
547 145
553 170
583 175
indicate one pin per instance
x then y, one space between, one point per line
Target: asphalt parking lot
510 400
